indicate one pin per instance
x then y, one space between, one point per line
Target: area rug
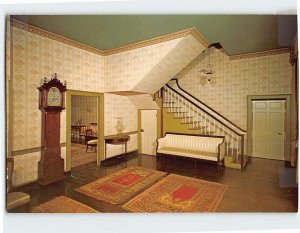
177 193
118 187
63 204
79 156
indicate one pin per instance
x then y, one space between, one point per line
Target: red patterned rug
122 185
63 204
177 193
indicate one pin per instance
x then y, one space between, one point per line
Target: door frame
287 122
100 122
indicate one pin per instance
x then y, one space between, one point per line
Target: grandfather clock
51 103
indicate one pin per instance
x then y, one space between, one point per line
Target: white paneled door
268 129
149 136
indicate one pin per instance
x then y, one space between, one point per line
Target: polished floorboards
264 186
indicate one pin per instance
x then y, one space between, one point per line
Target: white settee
206 147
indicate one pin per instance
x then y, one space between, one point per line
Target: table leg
105 151
125 150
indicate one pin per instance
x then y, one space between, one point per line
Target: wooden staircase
188 116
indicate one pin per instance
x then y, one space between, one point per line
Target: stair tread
207 132
190 122
176 112
199 127
173 107
183 117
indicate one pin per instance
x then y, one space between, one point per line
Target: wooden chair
90 140
92 143
14 199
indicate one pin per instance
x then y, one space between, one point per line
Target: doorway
269 127
149 134
84 129
77 125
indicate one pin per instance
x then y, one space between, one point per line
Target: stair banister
196 116
206 106
207 113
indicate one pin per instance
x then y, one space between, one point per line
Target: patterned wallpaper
84 109
7 71
181 55
124 70
144 101
35 57
235 80
116 106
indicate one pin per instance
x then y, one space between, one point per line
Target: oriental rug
63 204
122 185
79 156
177 193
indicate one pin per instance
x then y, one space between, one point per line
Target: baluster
194 117
185 107
232 144
177 106
166 95
180 105
227 141
169 98
198 120
209 124
172 101
237 145
201 120
204 120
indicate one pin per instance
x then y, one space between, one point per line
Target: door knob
279 133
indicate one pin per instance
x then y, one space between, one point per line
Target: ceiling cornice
180 34
41 32
261 53
53 36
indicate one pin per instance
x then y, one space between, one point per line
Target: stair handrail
211 109
218 120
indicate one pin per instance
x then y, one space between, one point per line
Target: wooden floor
264 186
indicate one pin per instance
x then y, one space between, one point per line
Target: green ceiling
237 33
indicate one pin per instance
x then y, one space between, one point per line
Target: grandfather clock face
54 97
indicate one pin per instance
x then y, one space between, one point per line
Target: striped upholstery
192 146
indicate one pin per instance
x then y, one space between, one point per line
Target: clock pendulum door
51 165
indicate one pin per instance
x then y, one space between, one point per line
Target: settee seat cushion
213 156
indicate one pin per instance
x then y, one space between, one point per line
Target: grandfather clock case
51 104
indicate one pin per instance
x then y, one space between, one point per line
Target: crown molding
172 36
261 53
53 36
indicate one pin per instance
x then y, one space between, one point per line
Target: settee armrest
222 150
160 143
